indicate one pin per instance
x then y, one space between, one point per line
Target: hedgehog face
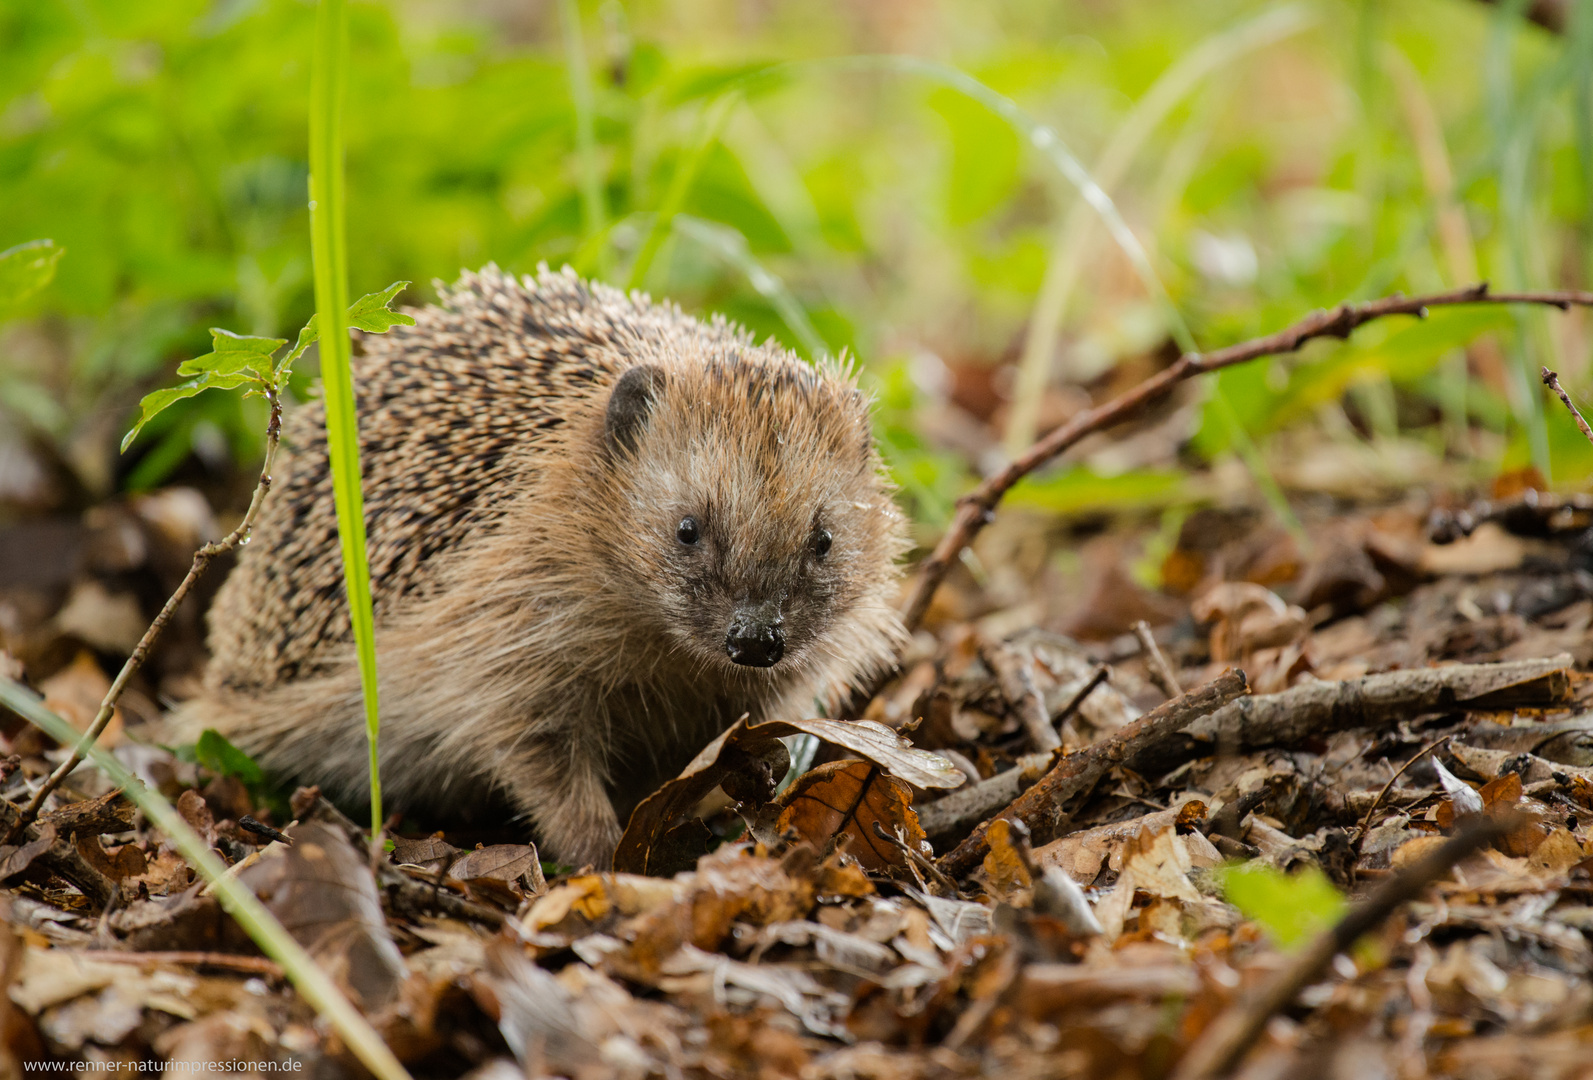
760 513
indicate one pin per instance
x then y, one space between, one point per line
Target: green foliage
1293 907
329 254
215 753
884 206
246 360
26 269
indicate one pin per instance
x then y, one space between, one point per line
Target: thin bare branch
976 509
1551 379
1160 671
202 560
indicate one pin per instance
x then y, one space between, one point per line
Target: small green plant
1293 908
26 269
243 360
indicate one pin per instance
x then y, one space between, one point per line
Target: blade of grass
1515 118
312 983
594 214
1454 231
708 130
1069 251
329 253
1041 137
731 246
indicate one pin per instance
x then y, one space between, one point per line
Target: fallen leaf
507 863
737 750
1155 863
846 798
74 693
753 760
1004 871
15 858
322 892
876 743
429 853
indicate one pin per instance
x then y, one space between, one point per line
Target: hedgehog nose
754 640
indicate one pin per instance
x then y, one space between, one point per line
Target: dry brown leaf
429 852
876 743
1247 617
15 858
1082 854
74 693
757 760
126 861
1155 863
749 761
1489 549
507 863
322 892
1005 873
846 798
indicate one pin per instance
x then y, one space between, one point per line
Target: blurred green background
1266 159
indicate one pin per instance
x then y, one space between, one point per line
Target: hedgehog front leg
560 786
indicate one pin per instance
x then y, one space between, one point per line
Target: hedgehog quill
600 531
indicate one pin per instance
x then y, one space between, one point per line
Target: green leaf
1080 489
27 268
371 313
215 753
232 354
154 403
1293 907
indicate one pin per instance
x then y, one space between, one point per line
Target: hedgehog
600 531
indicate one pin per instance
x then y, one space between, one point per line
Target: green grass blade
731 246
329 251
1070 250
312 983
594 214
713 122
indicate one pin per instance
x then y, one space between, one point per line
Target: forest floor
1406 762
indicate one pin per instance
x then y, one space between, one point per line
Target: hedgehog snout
755 637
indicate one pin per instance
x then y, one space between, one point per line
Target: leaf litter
761 924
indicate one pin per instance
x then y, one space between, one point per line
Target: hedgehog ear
630 405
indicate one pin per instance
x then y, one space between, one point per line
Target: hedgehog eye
821 544
687 532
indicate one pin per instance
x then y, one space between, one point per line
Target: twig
1551 379
202 560
1101 673
1220 1048
253 965
976 509
917 859
972 803
1161 672
1015 672
1043 808
1366 822
1323 708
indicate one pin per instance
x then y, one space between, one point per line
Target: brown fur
543 636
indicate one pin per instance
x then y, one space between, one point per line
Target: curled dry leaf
1155 863
1247 617
506 863
1006 875
845 799
15 858
750 761
758 760
322 892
